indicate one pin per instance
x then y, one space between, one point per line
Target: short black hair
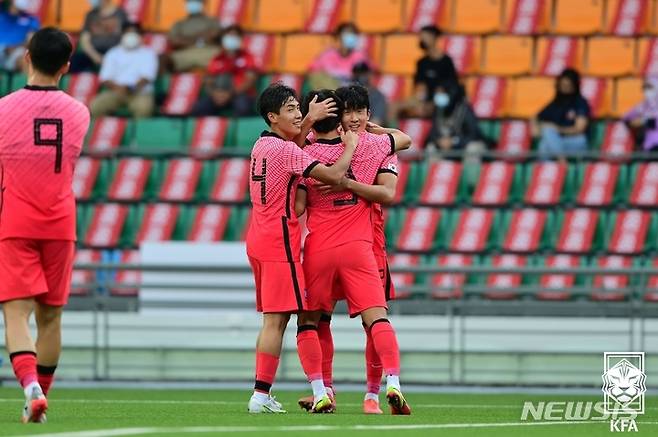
132 25
233 28
354 97
342 27
273 98
430 28
329 123
50 49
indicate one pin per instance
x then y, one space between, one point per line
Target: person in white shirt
127 75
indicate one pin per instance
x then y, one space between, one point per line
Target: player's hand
375 128
320 110
349 138
326 188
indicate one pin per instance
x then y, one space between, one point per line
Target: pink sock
266 366
373 365
327 346
310 352
25 367
386 346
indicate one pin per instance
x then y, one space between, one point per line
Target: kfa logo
624 386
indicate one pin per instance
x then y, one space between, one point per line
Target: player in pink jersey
274 236
356 118
338 251
41 134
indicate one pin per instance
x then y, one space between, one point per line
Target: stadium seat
611 287
578 17
579 231
627 231
525 231
161 15
610 56
394 87
231 182
627 17
651 294
498 184
137 10
401 52
82 280
628 93
514 137
507 55
404 169
465 51
72 14
501 286
130 179
159 133
419 229
403 281
324 16
488 95
210 223
420 13
598 92
180 180
378 15
441 183
85 176
82 87
158 223
554 286
127 281
599 182
555 53
418 129
277 16
107 133
299 51
472 230
183 93
644 191
617 139
206 134
450 285
523 17
530 95
477 16
106 225
230 11
647 57
266 50
247 130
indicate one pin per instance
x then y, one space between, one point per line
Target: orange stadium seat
652 26
529 95
554 54
525 18
230 11
477 16
401 52
328 15
300 50
273 16
50 14
419 13
162 14
578 17
610 56
628 93
627 17
598 92
507 55
72 14
378 15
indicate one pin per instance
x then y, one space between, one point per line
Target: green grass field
119 412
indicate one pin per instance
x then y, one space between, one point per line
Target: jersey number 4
260 178
56 142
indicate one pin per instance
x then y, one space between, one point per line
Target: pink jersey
335 219
390 165
277 166
42 130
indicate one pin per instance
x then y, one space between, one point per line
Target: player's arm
334 174
382 192
400 140
316 111
300 200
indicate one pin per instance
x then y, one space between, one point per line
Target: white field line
286 429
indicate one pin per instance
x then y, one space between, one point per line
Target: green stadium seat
247 131
159 134
17 81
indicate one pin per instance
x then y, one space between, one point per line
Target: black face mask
423 45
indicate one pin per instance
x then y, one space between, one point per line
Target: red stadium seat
599 182
555 53
180 180
403 280
403 179
210 223
394 87
440 187
82 280
598 92
158 223
525 230
420 13
294 81
645 187
230 12
107 133
627 17
325 15
515 137
556 286
450 285
617 139
488 96
83 87
127 280
502 285
629 232
647 57
465 52
472 230
84 178
232 181
577 231
130 179
209 133
546 184
494 184
420 227
106 225
418 130
651 294
526 17
182 94
611 287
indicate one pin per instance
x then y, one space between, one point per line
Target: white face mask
23 5
650 94
350 40
231 42
95 3
194 7
441 100
131 40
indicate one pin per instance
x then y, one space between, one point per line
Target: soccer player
338 250
42 130
355 118
274 236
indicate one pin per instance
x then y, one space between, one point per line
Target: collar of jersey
336 140
267 133
41 88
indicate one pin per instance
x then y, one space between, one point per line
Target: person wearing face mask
127 75
193 39
333 67
101 32
641 119
231 79
562 125
17 26
455 128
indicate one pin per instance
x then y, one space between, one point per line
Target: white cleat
35 407
271 405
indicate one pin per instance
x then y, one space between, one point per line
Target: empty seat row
619 17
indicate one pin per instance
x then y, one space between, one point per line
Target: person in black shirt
562 124
433 69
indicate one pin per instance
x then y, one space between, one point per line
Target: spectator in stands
562 124
435 68
642 118
362 74
455 127
127 75
101 31
231 80
16 28
193 39
333 67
